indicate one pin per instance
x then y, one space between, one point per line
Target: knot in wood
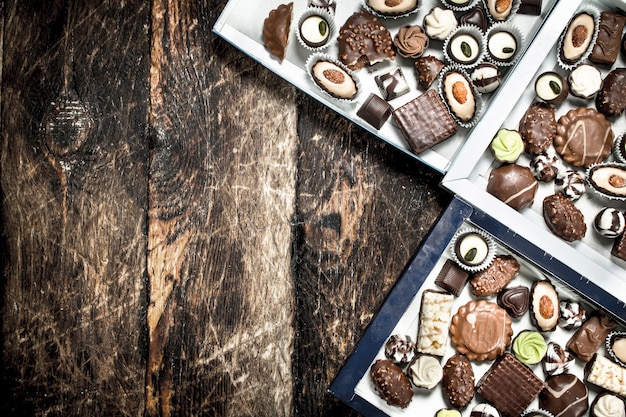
66 125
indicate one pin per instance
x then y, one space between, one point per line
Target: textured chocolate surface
509 385
400 349
619 247
375 111
611 100
513 184
530 7
563 218
604 373
451 278
458 381
591 335
607 43
565 395
364 40
391 383
538 128
514 300
427 68
584 137
425 121
276 30
497 276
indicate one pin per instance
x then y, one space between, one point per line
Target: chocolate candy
392 84
607 404
486 78
538 128
476 17
605 373
616 347
529 347
515 300
314 30
499 9
497 276
484 410
572 314
577 38
435 313
557 360
619 247
611 100
609 223
451 278
565 395
585 81
411 41
481 330
459 95
570 183
427 68
509 385
502 46
472 250
439 23
591 335
551 88
276 30
458 381
391 384
608 180
546 166
334 80
513 184
364 41
530 7
607 43
374 111
396 8
399 349
563 218
425 121
425 371
544 306
507 145
464 47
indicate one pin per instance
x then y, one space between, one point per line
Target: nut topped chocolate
544 306
334 80
538 128
458 381
498 275
427 69
611 100
502 46
551 87
364 41
391 383
314 30
499 9
563 218
608 180
577 38
459 95
464 47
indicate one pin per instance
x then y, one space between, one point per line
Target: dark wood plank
362 209
73 175
222 190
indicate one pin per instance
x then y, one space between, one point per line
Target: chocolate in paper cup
619 152
536 412
595 181
489 248
503 60
453 53
568 66
331 27
477 96
610 342
494 16
459 5
317 57
389 15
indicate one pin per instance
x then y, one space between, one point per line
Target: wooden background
183 232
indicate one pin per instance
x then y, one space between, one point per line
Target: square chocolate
452 278
425 121
392 84
375 111
607 44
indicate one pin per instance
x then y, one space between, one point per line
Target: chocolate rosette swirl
411 41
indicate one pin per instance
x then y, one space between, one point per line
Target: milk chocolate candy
509 385
538 128
276 30
565 395
497 276
584 136
391 384
458 381
607 43
364 41
611 100
563 218
375 111
513 184
591 336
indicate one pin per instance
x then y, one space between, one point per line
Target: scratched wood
188 235
73 175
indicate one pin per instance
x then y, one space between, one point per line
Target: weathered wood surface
205 240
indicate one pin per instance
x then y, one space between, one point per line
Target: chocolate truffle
515 300
486 78
492 280
395 8
435 312
475 17
611 100
333 79
565 395
392 84
538 128
452 278
609 222
484 410
509 385
608 180
585 81
590 336
399 349
276 30
557 360
439 23
583 137
459 95
410 41
391 384
563 218
546 166
499 9
570 183
314 30
458 381
544 306
607 43
425 121
481 330
604 373
551 87
513 184
364 41
463 47
375 111
607 404
507 145
502 46
425 371
573 314
427 68
577 38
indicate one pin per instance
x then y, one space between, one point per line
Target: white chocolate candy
440 23
382 6
425 372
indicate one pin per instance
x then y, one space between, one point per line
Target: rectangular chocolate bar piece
609 38
452 278
375 111
530 7
605 373
435 314
425 121
509 385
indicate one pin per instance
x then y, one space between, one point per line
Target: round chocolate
551 87
486 78
577 38
572 314
400 349
502 46
314 31
425 371
585 81
607 404
546 166
513 184
515 300
565 395
484 410
391 384
463 48
616 347
563 218
557 360
364 41
609 223
544 306
439 23
570 183
529 347
411 41
446 412
471 249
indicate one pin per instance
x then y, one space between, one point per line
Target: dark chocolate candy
276 30
425 121
565 395
427 68
476 17
607 43
531 7
611 100
364 41
563 218
484 410
391 383
509 385
451 278
591 335
458 381
514 300
619 247
513 184
400 349
538 128
375 111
